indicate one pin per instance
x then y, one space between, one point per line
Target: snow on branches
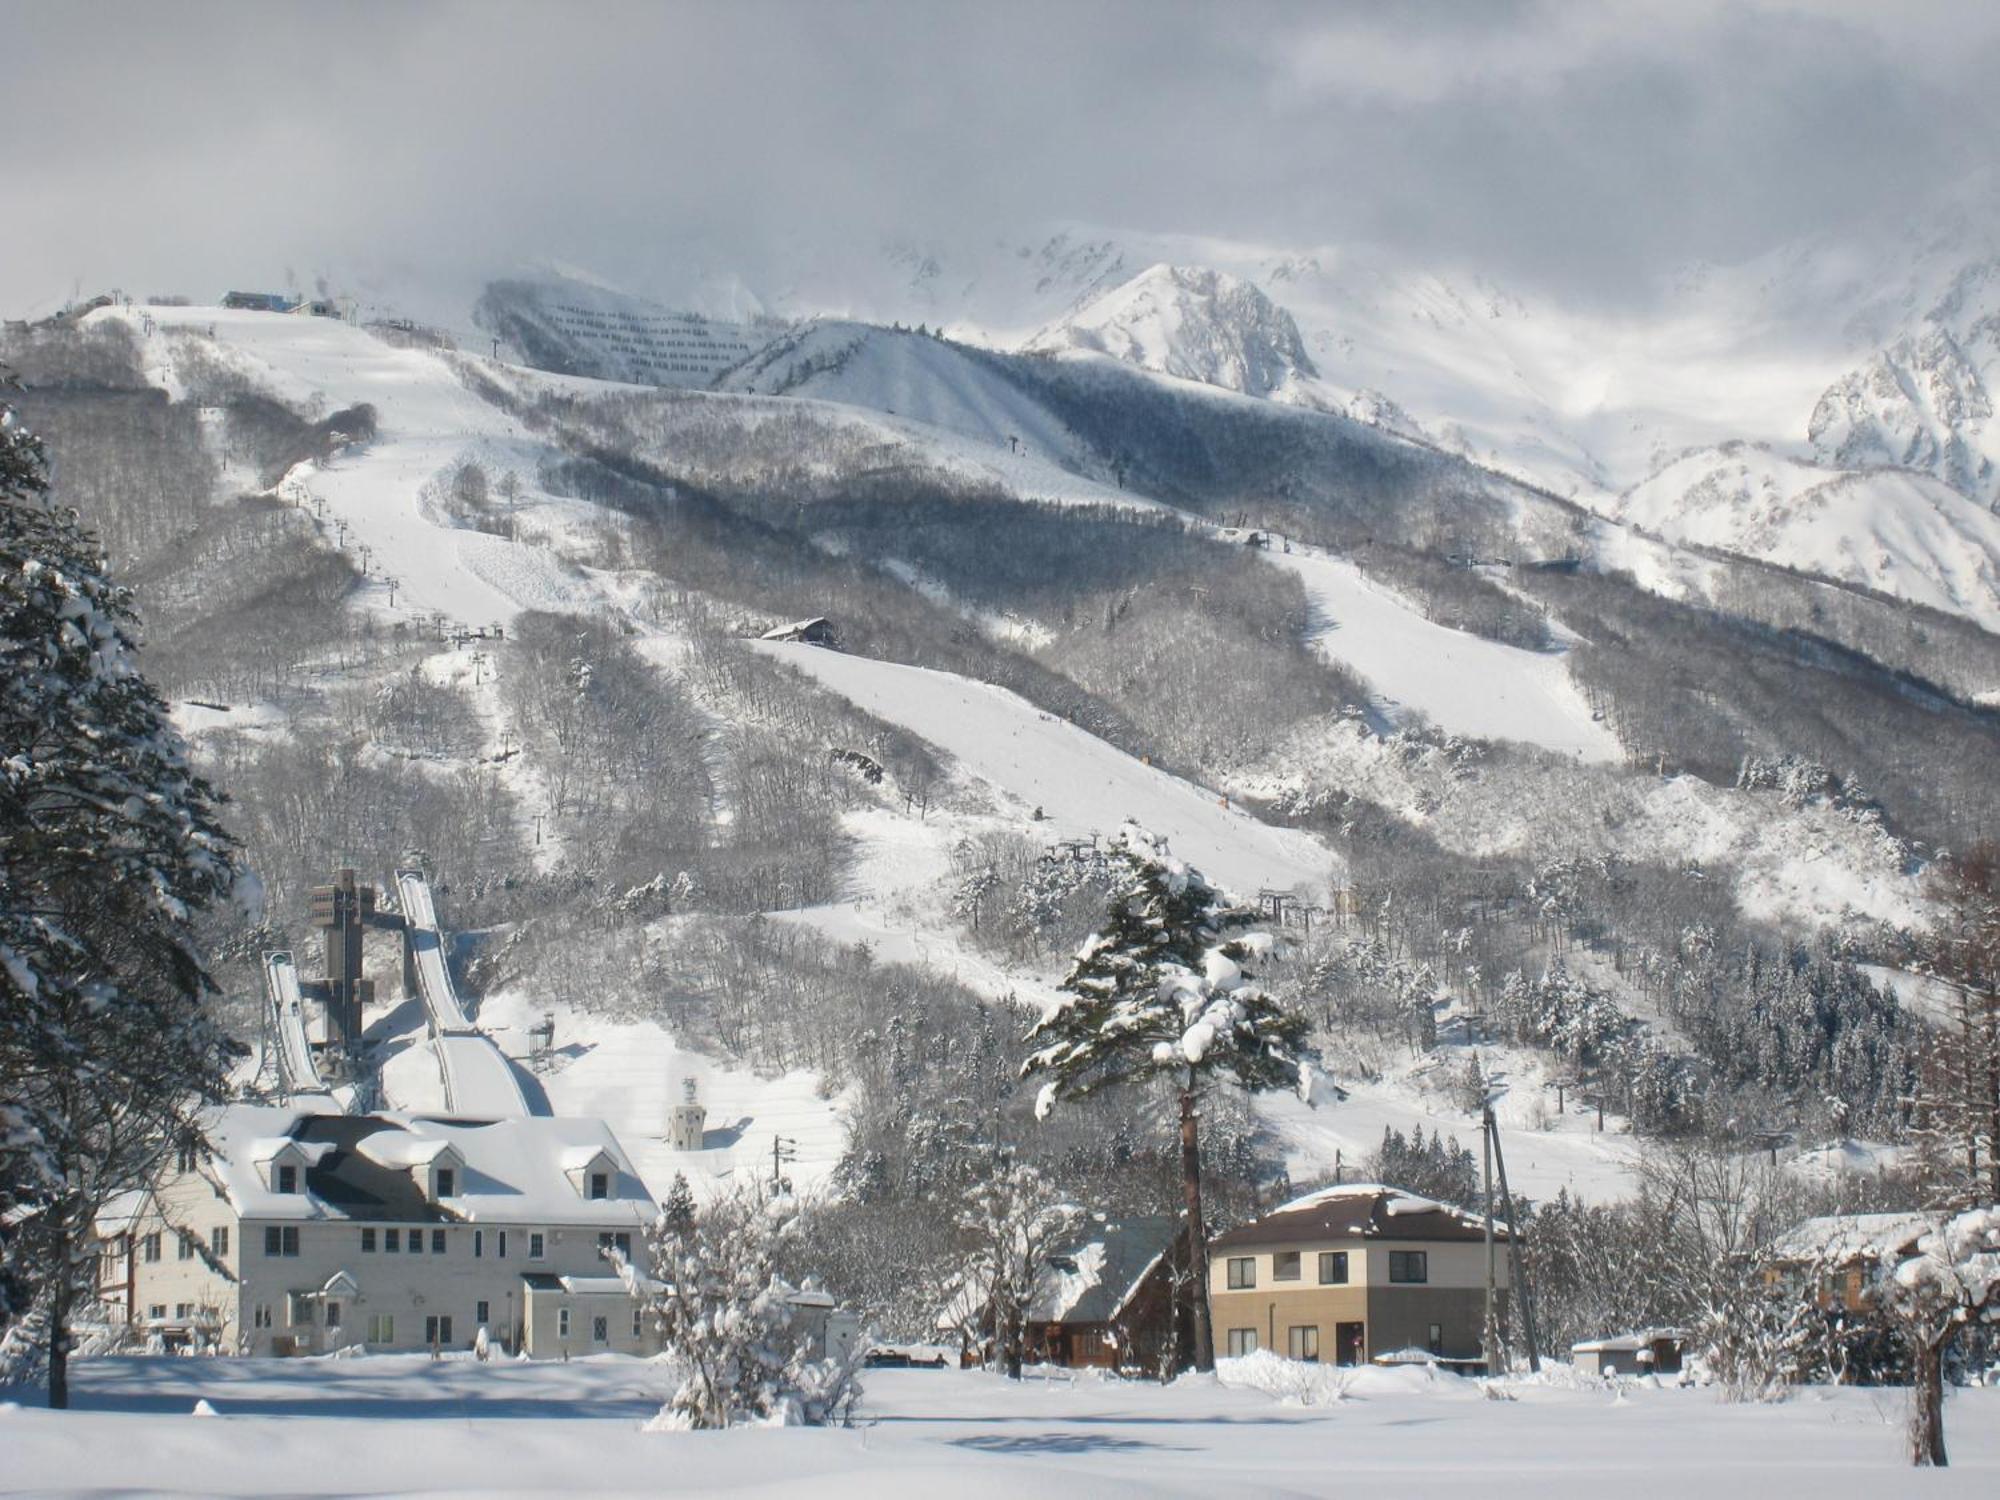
735 1330
1163 989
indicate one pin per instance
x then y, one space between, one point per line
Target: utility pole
783 1149
1517 1270
1491 1338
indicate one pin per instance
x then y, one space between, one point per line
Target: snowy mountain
1899 531
1925 401
1193 323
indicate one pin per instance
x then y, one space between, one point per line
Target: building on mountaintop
818 631
1354 1272
276 302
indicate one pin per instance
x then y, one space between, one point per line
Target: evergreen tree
1161 994
678 1212
108 848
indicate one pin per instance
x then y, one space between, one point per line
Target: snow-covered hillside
905 375
1068 779
1463 683
1191 322
1898 531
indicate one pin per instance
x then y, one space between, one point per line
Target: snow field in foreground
401 1424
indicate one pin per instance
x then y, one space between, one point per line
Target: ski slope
426 422
288 1025
1081 785
1462 683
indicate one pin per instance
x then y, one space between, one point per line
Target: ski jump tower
341 910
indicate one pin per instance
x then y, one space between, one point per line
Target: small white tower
686 1120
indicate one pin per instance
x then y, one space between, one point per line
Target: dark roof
360 1188
1358 1213
1131 1246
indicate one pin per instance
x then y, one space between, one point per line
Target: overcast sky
1580 148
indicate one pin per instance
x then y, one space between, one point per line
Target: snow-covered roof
1370 1210
794 629
1092 1279
362 1167
1847 1237
119 1211
1645 1338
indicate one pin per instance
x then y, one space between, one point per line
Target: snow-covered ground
629 1074
1081 785
1462 683
404 1425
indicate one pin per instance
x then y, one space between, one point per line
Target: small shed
817 631
1652 1351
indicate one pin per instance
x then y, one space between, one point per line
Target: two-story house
307 1231
1351 1273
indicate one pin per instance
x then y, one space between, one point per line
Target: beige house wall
542 1330
1394 1315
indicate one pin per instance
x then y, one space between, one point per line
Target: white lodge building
307 1231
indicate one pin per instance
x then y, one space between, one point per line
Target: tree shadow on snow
1031 1445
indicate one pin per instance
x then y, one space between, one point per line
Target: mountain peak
1193 322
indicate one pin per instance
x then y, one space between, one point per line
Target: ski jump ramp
288 1025
479 1082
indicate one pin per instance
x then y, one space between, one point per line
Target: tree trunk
59 1311
1927 1403
1204 1333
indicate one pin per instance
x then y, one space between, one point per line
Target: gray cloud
1585 148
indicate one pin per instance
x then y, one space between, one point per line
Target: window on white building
562 1322
1333 1268
600 1330
381 1328
536 1245
149 1247
437 1242
600 1184
1409 1265
218 1241
184 1249
1242 1341
1285 1266
288 1179
1302 1342
1242 1272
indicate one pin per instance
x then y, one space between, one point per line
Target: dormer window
447 1182
600 1184
288 1178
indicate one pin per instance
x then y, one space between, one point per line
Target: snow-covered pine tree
677 1209
109 845
730 1322
1161 994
